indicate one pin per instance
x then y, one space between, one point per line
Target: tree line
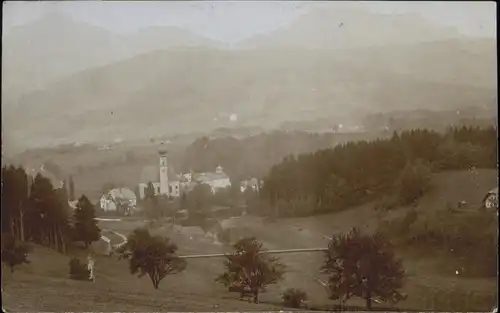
34 211
253 156
358 172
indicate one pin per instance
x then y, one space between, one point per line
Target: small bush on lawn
78 270
294 298
14 252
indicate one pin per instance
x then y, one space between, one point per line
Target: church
167 183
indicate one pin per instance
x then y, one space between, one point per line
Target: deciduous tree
249 268
363 266
151 255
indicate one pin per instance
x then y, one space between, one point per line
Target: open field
44 286
196 290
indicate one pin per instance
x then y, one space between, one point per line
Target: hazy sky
238 20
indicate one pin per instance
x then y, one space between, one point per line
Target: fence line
219 255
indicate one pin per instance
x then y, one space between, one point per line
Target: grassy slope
195 288
423 276
43 286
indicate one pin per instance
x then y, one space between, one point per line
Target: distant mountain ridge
348 29
56 46
187 82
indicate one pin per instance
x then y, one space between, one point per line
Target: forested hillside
359 172
255 155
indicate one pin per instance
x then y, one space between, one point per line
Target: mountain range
65 80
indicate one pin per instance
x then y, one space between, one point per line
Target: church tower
163 173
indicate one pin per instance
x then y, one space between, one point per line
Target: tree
199 198
363 266
183 202
85 228
414 182
249 268
151 204
32 209
198 201
46 212
71 189
61 225
13 252
15 184
151 255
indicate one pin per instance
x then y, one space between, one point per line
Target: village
168 185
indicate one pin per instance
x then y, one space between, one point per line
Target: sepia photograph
249 156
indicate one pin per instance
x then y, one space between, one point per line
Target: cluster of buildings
167 183
170 184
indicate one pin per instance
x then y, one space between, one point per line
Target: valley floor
43 285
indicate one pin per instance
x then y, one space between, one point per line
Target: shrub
14 252
294 298
78 270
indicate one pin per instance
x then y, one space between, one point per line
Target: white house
108 201
216 180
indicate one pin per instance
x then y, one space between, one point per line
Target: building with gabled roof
216 180
167 182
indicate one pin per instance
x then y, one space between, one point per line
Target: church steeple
164 190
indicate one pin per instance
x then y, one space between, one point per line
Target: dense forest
253 156
34 211
357 172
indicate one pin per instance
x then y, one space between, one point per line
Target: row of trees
34 211
358 172
356 264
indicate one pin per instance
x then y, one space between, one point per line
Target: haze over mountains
55 46
65 81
